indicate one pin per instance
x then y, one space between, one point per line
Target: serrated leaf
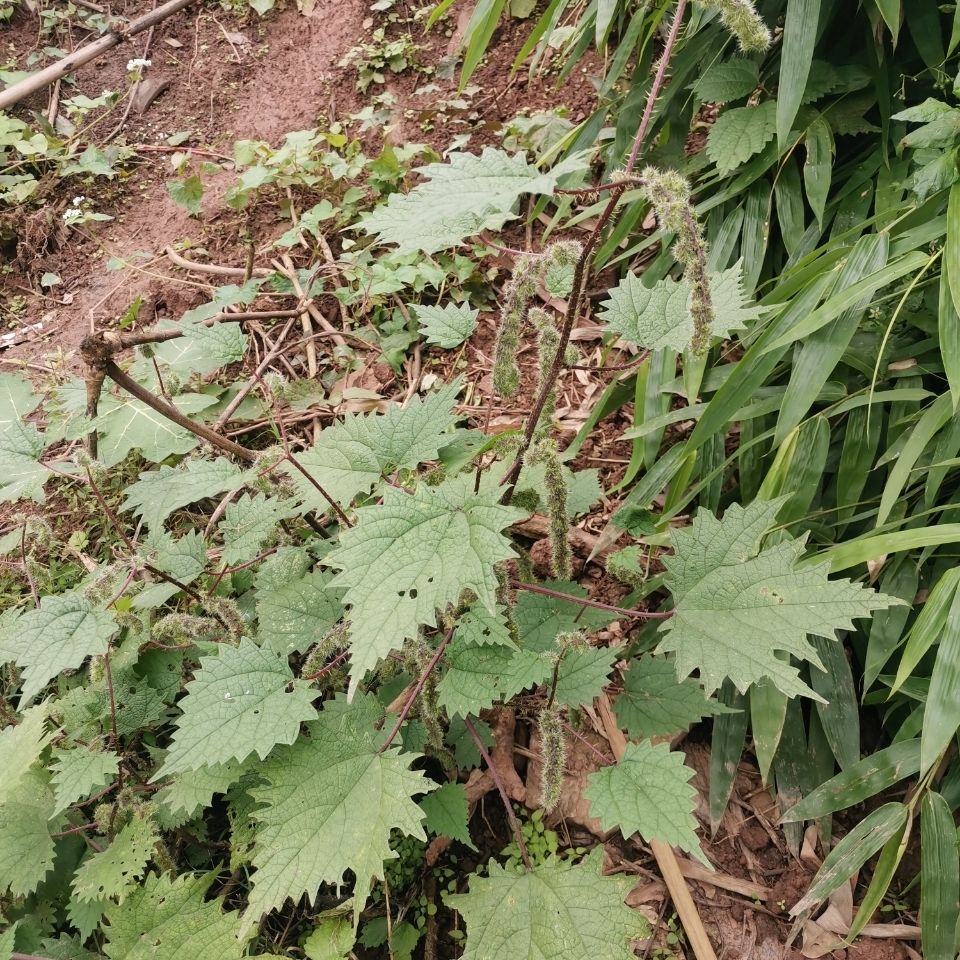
480 627
187 193
190 794
740 133
297 615
583 674
184 558
352 456
447 326
20 747
249 522
659 317
79 772
460 198
159 492
560 910
329 805
447 812
7 942
59 635
583 486
170 919
726 81
737 606
26 844
541 619
17 399
414 553
332 939
647 791
655 704
244 700
478 677
22 476
112 871
221 343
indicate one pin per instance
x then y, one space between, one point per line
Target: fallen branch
73 61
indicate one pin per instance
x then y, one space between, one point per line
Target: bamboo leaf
939 878
799 39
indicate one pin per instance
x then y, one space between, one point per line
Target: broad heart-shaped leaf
59 635
740 133
249 522
298 614
737 606
351 457
583 675
170 920
447 813
414 553
78 772
21 473
447 326
20 747
647 792
237 704
159 492
659 316
329 805
17 399
124 424
26 844
559 910
460 198
111 871
655 704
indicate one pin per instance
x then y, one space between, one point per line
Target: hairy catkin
555 490
668 193
553 756
548 343
740 17
228 613
337 638
516 297
183 628
418 656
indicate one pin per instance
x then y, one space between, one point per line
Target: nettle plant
279 668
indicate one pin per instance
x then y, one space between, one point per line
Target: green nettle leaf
460 198
20 748
187 193
737 606
480 627
740 133
169 919
723 82
297 615
190 794
647 792
560 910
329 805
159 492
77 773
125 424
414 553
222 343
21 473
249 522
59 635
447 326
479 676
26 844
241 701
352 456
447 812
7 942
541 619
17 399
583 674
659 316
110 872
184 558
655 704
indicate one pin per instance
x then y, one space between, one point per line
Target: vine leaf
560 910
655 704
159 492
447 812
243 700
329 805
414 553
647 792
79 772
112 871
169 919
740 133
447 326
352 456
460 198
20 748
59 635
659 316
298 614
249 522
738 606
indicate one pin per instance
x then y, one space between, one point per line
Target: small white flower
137 63
78 200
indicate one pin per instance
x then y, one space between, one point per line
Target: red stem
595 604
